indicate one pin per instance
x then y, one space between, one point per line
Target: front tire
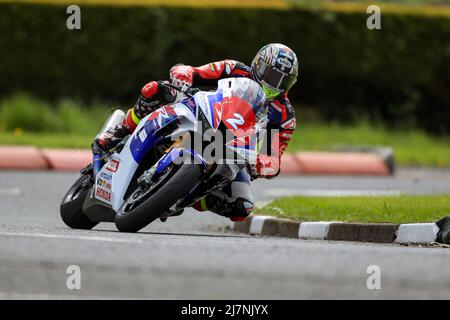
71 208
176 187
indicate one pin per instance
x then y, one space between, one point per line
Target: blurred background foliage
235 3
396 78
399 75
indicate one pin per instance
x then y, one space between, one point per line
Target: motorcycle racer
275 68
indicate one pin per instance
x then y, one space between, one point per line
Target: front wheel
141 208
71 208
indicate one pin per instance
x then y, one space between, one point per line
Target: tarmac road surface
190 257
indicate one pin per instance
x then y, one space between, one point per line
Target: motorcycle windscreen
242 104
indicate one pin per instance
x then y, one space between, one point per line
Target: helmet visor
274 78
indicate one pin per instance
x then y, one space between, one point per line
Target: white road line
329 193
52 296
71 237
10 192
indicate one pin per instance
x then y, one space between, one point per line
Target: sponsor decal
106 176
104 183
143 135
148 104
162 116
289 125
112 166
103 194
285 63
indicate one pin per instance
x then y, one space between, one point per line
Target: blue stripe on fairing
190 103
198 156
97 163
138 148
167 159
213 98
175 154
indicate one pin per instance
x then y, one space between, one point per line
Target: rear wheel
144 206
71 208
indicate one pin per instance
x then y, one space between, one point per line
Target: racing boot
114 130
236 211
110 138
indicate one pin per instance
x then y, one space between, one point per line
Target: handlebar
189 92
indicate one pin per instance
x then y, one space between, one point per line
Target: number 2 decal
237 121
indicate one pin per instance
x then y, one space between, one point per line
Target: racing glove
265 167
153 95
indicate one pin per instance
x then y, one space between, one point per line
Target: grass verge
25 120
411 147
22 112
392 209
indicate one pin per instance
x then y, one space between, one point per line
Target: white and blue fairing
113 179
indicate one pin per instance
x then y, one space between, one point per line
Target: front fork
97 163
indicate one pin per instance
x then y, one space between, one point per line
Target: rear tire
177 187
71 208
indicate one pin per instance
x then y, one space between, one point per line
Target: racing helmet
275 68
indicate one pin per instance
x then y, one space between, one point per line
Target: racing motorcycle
157 171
